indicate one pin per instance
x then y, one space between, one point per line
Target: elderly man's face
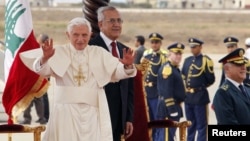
111 25
235 72
79 36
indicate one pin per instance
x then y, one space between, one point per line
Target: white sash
67 94
97 98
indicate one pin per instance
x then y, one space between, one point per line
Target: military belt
148 84
193 90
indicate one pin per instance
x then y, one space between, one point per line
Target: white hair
100 11
78 21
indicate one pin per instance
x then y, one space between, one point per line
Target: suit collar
106 40
236 90
98 40
236 84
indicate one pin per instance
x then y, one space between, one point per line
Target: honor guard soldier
156 57
232 44
171 88
198 74
231 101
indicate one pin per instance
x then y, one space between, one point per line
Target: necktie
243 91
114 52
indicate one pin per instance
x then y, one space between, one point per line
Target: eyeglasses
112 21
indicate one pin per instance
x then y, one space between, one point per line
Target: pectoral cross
79 76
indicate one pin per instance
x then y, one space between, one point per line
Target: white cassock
80 111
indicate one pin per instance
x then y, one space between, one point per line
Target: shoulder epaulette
224 87
209 61
163 51
147 51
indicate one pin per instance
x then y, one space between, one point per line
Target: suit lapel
119 46
97 40
100 42
238 92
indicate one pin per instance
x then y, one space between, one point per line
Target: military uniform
198 74
156 58
230 42
231 104
171 90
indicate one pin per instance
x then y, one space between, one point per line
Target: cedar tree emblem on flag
21 83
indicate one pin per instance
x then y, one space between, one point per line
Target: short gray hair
78 21
100 15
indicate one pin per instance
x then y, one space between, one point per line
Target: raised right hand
48 50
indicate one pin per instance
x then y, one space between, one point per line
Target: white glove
174 114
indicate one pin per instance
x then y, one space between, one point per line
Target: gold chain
152 63
155 64
151 71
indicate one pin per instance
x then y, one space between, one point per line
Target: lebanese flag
21 83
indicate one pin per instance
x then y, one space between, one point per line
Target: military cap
194 42
176 47
229 41
235 57
155 36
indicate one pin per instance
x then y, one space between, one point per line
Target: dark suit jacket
139 52
123 90
230 105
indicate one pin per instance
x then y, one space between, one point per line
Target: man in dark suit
120 94
139 44
232 100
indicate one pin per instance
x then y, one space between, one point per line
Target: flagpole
9 136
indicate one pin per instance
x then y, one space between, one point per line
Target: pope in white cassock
80 111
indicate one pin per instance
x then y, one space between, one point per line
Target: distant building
197 4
